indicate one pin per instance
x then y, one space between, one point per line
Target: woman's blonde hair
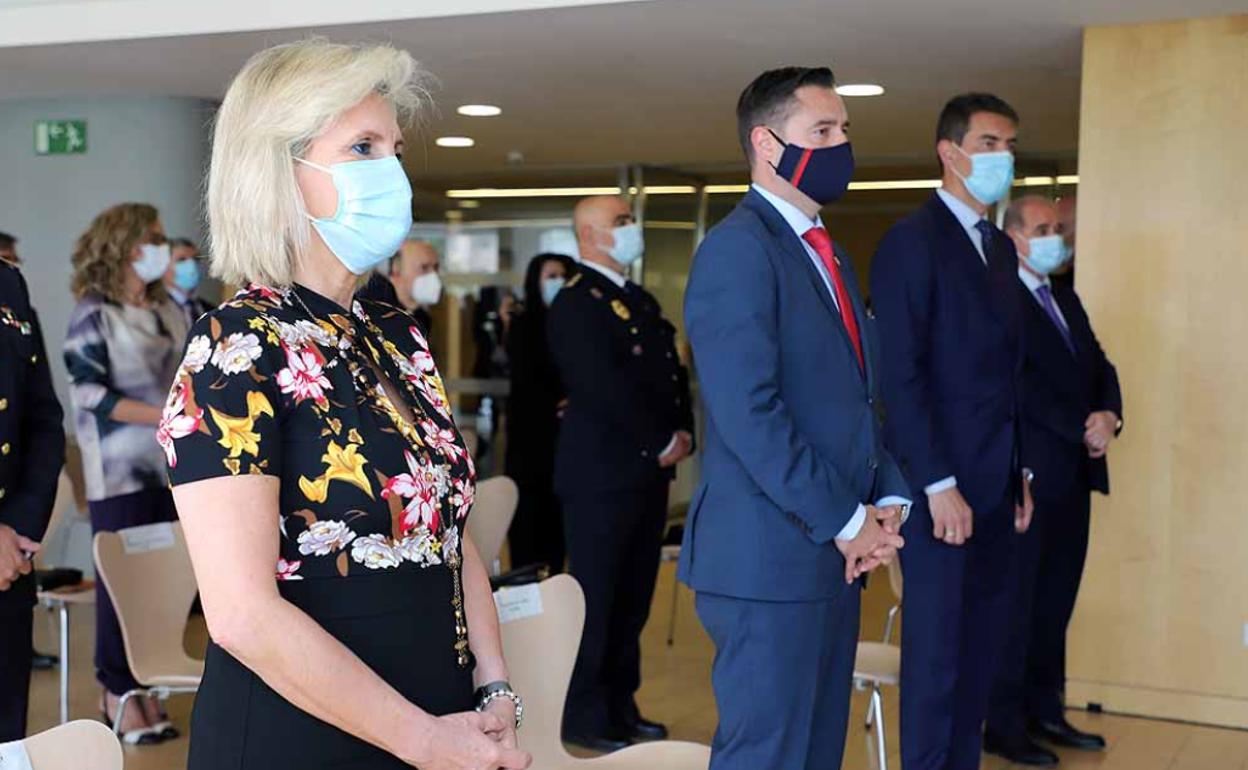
283 98
101 253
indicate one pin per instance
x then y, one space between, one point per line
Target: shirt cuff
854 526
941 486
670 446
885 502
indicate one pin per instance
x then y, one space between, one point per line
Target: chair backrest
80 745
63 503
148 574
541 651
894 578
495 507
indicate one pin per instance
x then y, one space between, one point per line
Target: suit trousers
956 619
148 506
1032 675
16 624
782 678
614 538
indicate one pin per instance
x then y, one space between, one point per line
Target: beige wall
1163 269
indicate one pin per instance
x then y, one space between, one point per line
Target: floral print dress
283 382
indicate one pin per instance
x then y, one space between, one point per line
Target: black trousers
614 538
16 619
148 506
536 533
1048 570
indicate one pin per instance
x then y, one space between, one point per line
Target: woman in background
122 350
536 533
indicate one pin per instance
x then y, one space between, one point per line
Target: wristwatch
493 691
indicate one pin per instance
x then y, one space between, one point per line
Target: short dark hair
185 243
7 241
955 118
768 99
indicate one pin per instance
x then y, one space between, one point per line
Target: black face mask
822 175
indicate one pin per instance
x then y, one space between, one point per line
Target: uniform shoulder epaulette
574 280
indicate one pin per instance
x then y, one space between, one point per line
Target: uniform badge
595 292
9 318
637 350
621 310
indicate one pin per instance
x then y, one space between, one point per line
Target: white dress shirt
1033 283
800 223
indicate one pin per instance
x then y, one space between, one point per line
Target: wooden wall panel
1163 268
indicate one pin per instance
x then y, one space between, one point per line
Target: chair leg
671 621
877 706
121 709
871 710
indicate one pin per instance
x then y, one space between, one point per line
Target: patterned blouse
282 382
115 351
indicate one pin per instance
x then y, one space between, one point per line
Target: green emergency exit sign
60 137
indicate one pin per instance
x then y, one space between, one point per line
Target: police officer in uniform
628 422
32 448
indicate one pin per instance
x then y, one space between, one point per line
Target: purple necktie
1046 300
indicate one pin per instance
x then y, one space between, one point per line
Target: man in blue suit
943 285
799 496
1072 408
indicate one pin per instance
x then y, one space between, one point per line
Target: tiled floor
677 691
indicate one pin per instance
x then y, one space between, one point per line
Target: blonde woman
319 476
122 350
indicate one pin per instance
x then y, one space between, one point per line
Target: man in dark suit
799 496
32 445
628 422
1072 409
950 321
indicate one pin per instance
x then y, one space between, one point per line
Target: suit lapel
965 257
796 251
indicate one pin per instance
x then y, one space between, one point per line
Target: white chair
152 586
541 651
492 512
81 745
878 664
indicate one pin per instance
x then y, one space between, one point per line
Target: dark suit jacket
952 339
793 441
1060 390
32 439
627 390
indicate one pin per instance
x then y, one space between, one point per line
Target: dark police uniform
627 395
32 450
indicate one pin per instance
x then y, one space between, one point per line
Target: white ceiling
656 82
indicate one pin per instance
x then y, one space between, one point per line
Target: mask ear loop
783 144
324 169
316 166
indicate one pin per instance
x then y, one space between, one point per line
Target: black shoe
1020 750
604 744
1063 733
41 662
645 730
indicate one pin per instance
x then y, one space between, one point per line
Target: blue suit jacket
951 336
1060 390
793 437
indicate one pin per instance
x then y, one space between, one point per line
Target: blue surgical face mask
551 288
374 212
629 244
992 173
1046 254
186 275
152 263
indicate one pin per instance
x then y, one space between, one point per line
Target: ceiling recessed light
860 89
455 141
479 110
470 204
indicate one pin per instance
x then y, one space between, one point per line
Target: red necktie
821 242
